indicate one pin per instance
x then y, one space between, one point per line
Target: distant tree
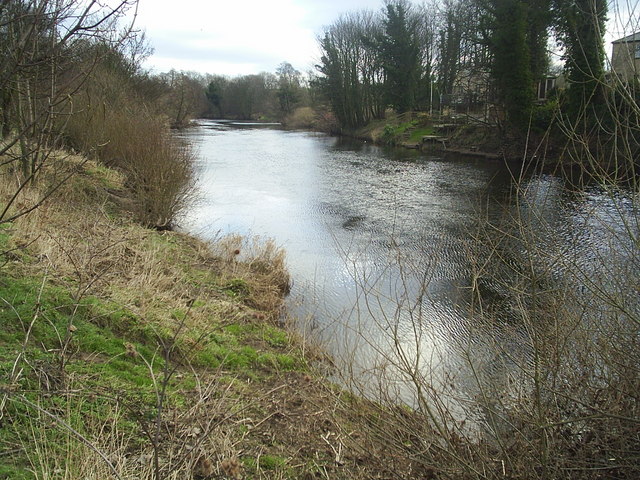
289 88
351 75
250 96
185 97
215 92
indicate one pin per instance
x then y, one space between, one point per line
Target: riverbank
448 134
132 353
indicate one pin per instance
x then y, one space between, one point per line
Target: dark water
385 245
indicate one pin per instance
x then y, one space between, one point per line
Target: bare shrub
545 378
158 167
540 377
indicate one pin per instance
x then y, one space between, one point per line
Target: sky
238 37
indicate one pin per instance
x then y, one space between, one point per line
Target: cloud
237 38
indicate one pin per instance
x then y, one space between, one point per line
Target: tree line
260 96
270 96
68 62
471 52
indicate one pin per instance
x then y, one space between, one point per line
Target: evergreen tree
581 27
516 33
539 19
511 67
400 56
215 93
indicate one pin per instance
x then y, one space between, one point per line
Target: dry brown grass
263 264
302 118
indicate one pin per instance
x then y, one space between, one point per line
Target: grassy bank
397 129
454 133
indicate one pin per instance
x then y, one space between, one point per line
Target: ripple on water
359 221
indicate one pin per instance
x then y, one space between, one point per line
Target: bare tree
352 77
185 96
39 74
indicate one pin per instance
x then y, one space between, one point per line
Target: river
384 245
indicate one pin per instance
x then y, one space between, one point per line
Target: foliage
399 55
304 118
215 93
465 54
389 135
516 33
543 116
86 90
510 67
581 29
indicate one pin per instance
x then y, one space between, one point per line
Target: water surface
383 244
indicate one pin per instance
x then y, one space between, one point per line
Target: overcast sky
238 37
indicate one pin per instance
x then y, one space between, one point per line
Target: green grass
236 288
418 133
35 320
394 134
264 462
247 348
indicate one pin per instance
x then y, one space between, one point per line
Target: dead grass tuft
263 264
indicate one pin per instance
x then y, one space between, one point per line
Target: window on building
637 50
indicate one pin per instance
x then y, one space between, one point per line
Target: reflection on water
382 247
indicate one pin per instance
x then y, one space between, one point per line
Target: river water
384 245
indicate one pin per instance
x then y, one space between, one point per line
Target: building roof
629 38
